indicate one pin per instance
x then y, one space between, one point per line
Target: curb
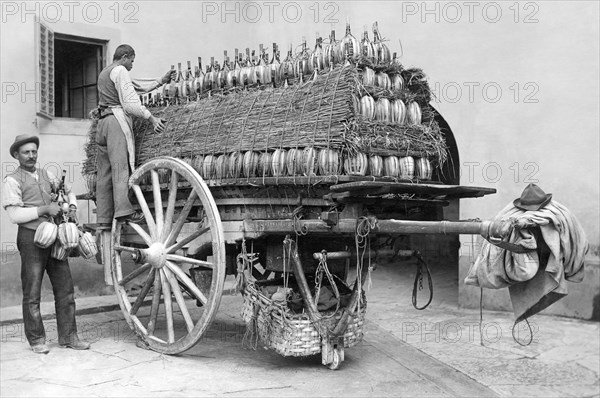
82 311
87 306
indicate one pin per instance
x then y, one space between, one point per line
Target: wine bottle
236 69
317 58
286 71
274 65
302 62
223 72
172 91
382 52
333 54
350 46
263 72
367 49
199 80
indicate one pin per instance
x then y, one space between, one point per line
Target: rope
481 316
240 278
297 214
362 241
418 285
286 260
530 333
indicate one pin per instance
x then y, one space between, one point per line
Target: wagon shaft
254 229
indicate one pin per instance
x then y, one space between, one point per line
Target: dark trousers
112 189
34 261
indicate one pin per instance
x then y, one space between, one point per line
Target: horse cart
195 234
295 208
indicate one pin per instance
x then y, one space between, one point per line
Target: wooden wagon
287 238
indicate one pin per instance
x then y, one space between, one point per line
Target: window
68 73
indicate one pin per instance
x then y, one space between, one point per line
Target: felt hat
532 198
22 140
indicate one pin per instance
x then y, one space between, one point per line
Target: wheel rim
156 264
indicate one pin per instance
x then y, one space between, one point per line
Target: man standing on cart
28 202
118 103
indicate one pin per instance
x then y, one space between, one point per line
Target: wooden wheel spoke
154 338
143 293
183 259
138 324
180 301
181 219
155 303
158 209
171 225
187 281
168 305
134 274
187 240
121 248
146 210
143 234
171 203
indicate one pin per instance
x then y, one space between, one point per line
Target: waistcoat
33 193
107 92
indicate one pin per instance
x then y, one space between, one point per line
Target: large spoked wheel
168 296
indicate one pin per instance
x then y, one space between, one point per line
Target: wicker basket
291 334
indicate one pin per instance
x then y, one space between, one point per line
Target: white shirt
129 91
13 203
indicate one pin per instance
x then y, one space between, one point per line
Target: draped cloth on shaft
555 245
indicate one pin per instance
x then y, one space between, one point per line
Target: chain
319 275
297 214
323 268
362 242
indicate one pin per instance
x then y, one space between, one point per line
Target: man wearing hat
28 202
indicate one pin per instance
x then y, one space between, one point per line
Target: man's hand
52 209
170 75
72 211
158 124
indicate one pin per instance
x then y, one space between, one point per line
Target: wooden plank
435 190
279 181
351 197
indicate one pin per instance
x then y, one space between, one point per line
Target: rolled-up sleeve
128 96
11 193
12 202
21 215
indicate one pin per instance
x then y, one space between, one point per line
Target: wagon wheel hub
155 255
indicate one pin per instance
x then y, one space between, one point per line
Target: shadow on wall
596 308
88 277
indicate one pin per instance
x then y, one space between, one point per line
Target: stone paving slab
434 352
562 360
220 365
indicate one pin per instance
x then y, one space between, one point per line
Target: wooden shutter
45 70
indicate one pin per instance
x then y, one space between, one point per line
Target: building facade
522 101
